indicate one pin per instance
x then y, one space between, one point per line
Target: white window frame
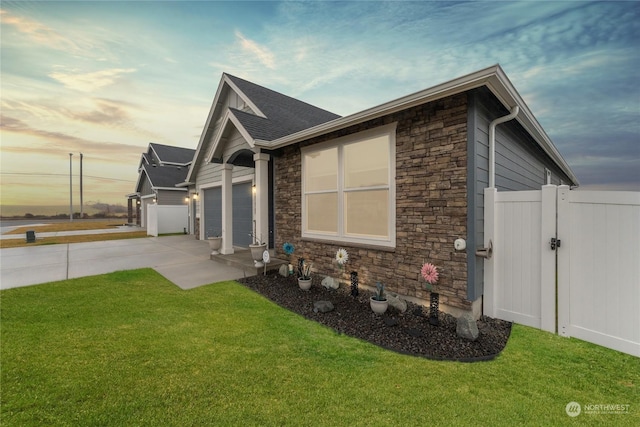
341 235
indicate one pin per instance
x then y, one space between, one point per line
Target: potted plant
257 248
378 301
304 276
215 242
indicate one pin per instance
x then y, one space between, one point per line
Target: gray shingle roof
165 176
285 115
170 154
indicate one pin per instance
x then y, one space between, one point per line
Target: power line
65 175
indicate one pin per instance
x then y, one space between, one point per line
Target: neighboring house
395 185
161 167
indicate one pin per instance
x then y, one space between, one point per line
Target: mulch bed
407 333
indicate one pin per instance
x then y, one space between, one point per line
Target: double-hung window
349 188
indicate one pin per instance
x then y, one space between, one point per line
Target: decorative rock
396 302
389 321
322 306
418 311
416 333
330 283
284 270
467 327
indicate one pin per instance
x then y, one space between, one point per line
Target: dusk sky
107 78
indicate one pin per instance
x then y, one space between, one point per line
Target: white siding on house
171 197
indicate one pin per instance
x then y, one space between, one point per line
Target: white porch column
227 210
262 196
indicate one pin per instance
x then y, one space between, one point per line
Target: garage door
212 212
242 214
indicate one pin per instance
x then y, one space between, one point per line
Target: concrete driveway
181 259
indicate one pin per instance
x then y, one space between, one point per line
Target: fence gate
594 240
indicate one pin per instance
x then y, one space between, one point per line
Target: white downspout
492 143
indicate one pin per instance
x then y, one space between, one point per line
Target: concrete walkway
181 259
120 229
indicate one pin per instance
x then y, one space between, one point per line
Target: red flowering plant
430 273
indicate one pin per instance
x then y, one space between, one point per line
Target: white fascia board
133 195
185 184
139 181
142 161
169 188
229 118
503 89
244 97
174 164
248 138
461 84
493 77
207 124
154 151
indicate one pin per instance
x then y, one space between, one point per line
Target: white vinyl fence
166 219
592 237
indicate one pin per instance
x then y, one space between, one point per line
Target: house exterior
395 185
230 181
161 168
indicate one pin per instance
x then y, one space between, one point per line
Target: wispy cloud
261 53
53 143
107 113
37 31
89 82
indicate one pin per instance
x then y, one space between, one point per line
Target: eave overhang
494 78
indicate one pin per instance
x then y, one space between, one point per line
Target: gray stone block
396 302
322 306
467 327
330 283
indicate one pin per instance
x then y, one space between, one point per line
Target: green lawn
130 348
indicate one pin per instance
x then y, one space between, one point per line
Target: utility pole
81 201
70 188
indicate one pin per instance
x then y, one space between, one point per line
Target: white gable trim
244 97
229 117
203 136
224 80
139 181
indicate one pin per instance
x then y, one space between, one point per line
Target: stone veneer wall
431 205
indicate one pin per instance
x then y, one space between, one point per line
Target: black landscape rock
353 316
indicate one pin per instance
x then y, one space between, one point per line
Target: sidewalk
119 229
182 259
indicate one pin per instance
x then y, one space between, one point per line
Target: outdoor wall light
253 189
195 196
